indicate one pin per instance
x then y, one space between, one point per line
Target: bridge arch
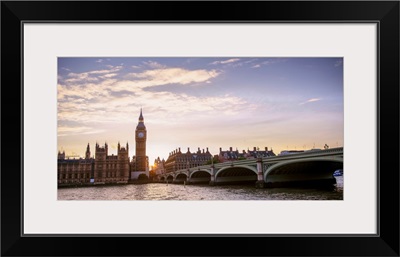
200 176
308 169
181 172
170 178
180 177
236 174
237 166
198 171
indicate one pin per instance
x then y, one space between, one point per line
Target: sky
238 102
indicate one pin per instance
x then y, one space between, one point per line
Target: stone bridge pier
260 183
212 181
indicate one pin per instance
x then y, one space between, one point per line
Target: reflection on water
199 192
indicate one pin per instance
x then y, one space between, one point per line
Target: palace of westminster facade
119 169
104 168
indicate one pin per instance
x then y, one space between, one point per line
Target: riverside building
103 168
178 160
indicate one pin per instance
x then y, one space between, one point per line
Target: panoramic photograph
200 128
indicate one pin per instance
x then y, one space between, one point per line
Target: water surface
158 191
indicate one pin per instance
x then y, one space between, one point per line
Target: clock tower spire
141 116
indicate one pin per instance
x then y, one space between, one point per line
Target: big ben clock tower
140 137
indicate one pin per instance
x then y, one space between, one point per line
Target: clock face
141 134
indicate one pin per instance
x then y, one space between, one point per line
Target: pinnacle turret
141 116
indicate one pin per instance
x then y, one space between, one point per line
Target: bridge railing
312 153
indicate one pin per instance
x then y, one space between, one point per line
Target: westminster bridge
313 167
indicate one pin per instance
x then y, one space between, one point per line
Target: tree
214 160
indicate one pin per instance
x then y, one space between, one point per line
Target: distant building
159 166
257 153
229 155
178 160
232 155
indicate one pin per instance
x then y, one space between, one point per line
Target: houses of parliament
104 168
120 169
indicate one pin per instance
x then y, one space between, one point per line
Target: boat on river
338 173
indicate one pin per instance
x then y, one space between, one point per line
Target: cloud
310 101
250 61
85 75
159 77
338 63
72 129
95 97
100 83
90 76
269 62
109 75
106 107
84 89
230 61
154 65
97 104
98 72
226 61
67 131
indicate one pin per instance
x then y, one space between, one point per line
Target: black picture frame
384 13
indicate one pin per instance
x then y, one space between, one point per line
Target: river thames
159 191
